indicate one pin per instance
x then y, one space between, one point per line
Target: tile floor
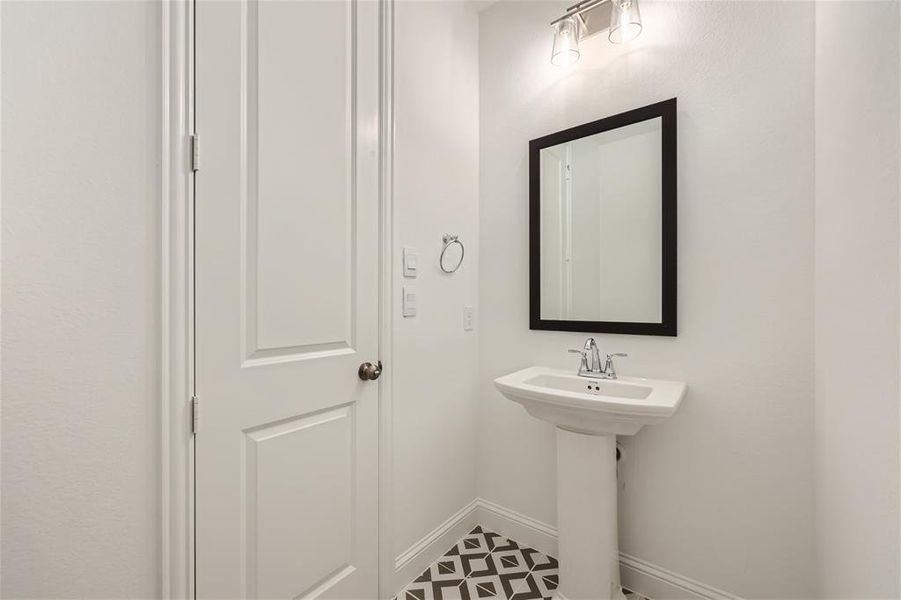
484 565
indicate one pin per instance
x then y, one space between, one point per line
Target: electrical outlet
468 319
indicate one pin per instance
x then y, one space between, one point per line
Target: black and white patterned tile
543 576
441 581
484 565
472 550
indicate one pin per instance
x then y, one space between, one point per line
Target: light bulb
625 21
566 42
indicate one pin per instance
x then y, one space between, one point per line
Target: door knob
369 371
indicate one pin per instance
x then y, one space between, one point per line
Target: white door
286 279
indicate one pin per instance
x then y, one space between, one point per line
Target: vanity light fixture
566 41
621 18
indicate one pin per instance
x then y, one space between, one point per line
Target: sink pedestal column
586 516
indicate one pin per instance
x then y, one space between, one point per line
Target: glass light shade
566 42
625 21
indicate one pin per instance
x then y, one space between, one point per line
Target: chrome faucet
591 361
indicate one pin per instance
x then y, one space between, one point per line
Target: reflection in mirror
600 226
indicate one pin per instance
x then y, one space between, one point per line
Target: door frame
177 299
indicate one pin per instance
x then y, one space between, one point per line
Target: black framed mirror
602 225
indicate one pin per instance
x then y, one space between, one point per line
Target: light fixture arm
579 9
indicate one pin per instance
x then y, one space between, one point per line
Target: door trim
386 298
177 300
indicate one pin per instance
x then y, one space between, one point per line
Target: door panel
286 288
298 487
300 108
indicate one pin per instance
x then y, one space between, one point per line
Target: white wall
722 492
436 192
80 424
857 301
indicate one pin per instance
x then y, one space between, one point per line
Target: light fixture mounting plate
593 16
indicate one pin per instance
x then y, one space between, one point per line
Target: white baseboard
638 575
662 584
414 560
517 526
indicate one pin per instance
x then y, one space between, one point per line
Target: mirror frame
666 110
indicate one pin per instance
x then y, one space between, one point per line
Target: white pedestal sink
589 414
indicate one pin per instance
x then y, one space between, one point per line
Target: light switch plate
410 259
409 301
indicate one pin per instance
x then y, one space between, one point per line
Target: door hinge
195 414
195 152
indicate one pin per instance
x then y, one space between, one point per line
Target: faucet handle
608 368
584 366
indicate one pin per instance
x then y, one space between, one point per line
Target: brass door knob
369 371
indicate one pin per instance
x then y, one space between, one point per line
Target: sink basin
592 406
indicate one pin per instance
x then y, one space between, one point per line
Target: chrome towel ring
450 240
